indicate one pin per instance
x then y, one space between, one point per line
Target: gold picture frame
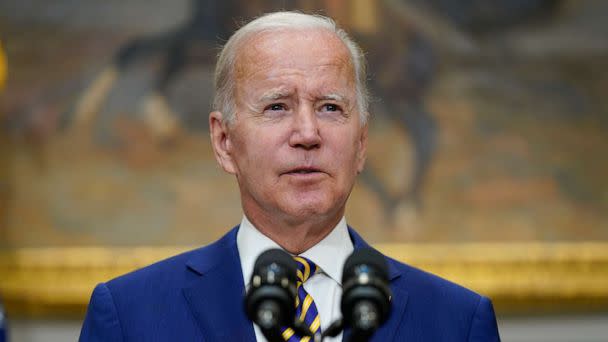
526 277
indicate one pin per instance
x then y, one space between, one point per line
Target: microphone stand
358 335
333 330
274 333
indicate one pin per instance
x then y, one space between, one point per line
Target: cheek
345 156
253 153
240 152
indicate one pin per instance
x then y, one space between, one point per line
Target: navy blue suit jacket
198 296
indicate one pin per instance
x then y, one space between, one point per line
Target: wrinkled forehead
288 47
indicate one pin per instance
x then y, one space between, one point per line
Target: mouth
303 171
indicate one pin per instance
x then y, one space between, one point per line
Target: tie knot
306 268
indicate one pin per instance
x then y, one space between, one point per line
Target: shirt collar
329 254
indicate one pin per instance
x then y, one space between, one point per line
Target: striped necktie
306 310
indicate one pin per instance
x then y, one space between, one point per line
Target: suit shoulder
463 314
174 270
169 268
425 284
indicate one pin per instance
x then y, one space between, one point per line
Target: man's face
297 142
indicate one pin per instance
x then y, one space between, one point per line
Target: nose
306 131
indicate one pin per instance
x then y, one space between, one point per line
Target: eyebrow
281 94
275 95
334 97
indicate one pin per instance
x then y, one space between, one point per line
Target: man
291 125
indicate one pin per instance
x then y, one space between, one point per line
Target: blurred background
487 159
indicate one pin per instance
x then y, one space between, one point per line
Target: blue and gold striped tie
306 310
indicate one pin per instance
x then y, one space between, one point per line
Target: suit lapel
216 296
398 300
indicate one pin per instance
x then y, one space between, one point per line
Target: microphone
269 302
366 293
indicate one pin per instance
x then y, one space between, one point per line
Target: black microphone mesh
365 256
278 256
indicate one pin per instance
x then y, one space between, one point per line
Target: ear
220 140
362 153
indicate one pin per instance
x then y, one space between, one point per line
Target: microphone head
365 260
269 302
277 257
366 293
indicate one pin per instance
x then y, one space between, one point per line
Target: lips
303 170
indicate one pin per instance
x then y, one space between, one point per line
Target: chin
311 210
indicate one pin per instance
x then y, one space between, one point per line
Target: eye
275 107
330 107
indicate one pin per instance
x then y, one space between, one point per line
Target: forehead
292 48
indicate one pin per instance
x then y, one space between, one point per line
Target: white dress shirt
325 287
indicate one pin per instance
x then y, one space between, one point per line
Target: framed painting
486 159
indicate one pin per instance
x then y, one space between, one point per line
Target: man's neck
295 237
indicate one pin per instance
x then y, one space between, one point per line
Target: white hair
224 71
